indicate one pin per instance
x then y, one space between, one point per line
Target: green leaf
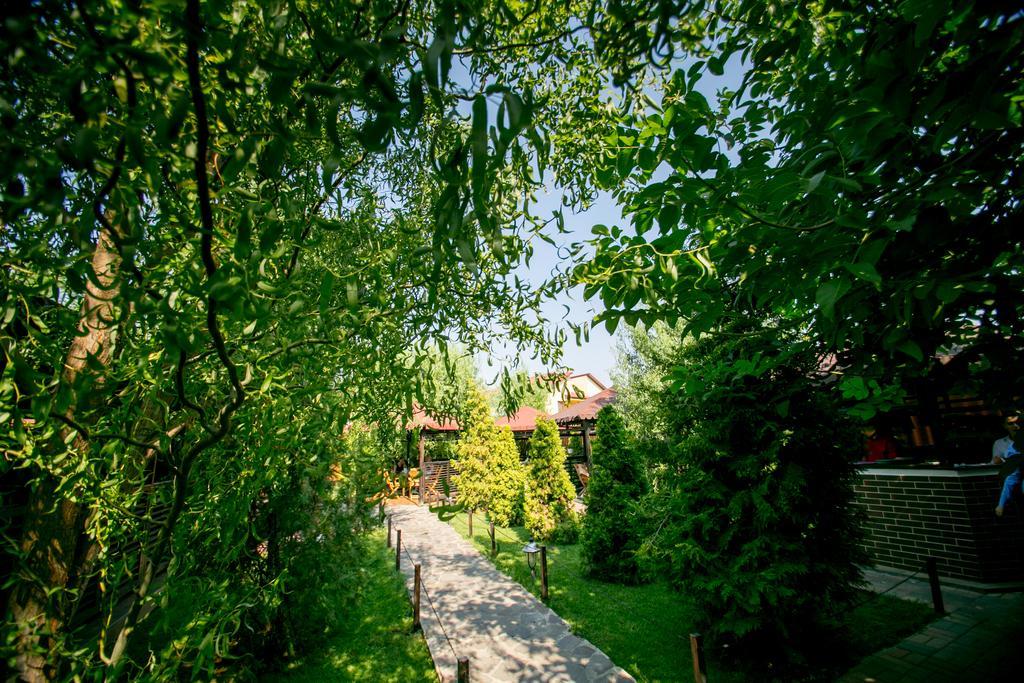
813 182
865 271
326 289
828 294
911 348
668 217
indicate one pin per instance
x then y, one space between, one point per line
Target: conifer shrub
490 476
611 533
758 528
506 481
473 453
549 491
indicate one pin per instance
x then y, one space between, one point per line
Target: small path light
531 550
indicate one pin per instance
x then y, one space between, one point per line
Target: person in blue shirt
1006 450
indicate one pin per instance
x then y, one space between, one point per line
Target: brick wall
911 515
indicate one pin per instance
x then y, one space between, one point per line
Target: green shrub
506 481
490 476
758 527
473 452
549 491
611 532
567 532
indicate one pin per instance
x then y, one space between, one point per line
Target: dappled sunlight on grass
645 629
379 645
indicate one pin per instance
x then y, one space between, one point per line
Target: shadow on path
981 638
475 611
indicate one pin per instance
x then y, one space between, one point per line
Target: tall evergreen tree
610 535
490 476
757 523
549 491
473 452
506 481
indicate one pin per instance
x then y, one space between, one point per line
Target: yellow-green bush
549 491
490 476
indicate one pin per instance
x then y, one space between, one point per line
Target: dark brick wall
912 515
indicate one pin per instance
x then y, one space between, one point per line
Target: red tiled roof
432 424
525 420
586 409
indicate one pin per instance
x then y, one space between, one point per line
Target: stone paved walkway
507 634
981 638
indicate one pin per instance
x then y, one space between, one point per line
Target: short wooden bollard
933 579
463 676
494 545
398 551
544 573
470 520
700 667
416 598
389 532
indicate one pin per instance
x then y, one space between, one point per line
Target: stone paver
979 639
507 634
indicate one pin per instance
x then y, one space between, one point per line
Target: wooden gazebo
582 417
578 418
429 427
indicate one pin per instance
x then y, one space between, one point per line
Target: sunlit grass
645 629
379 645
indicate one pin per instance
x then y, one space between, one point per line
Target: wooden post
544 573
469 519
416 598
700 667
389 531
494 546
933 579
586 442
422 472
398 552
463 676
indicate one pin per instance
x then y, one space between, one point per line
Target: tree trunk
53 524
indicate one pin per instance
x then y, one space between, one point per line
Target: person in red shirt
878 446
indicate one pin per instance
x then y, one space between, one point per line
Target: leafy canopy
858 177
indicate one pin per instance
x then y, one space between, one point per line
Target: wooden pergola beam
422 450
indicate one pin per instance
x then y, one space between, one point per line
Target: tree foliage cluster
229 229
490 475
751 509
549 491
611 533
859 176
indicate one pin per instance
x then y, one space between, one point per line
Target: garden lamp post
531 551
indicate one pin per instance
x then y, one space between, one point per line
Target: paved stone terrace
507 634
981 638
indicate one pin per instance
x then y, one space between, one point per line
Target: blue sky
596 355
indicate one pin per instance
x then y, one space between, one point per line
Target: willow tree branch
315 211
106 436
179 388
193 31
749 213
119 153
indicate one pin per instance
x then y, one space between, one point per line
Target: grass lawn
378 646
644 629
